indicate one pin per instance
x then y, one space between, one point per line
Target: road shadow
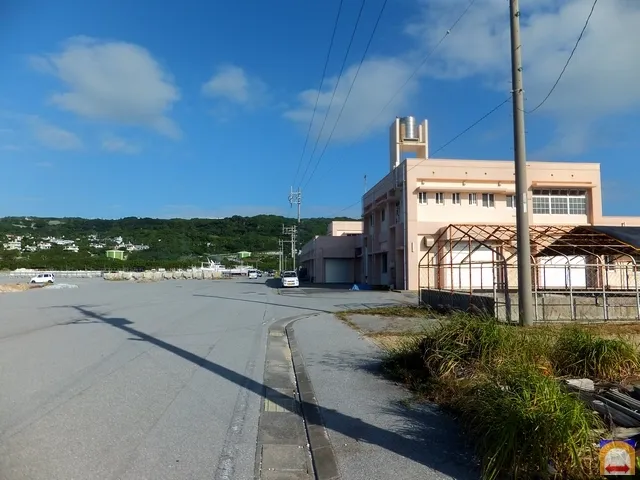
428 453
246 300
269 282
327 286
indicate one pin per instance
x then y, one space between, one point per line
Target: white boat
211 266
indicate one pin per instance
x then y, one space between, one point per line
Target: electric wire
564 69
413 73
353 81
335 88
446 144
324 74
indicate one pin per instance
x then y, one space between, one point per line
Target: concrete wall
548 307
158 276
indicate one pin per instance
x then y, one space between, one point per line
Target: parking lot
107 380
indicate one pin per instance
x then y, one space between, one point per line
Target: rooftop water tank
410 128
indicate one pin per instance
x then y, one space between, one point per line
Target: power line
575 47
335 88
324 74
414 73
353 81
473 125
446 144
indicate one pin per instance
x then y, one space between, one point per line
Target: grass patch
578 352
503 383
522 420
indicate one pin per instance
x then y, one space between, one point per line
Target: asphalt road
167 380
119 380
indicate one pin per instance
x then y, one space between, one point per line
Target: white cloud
601 79
11 148
233 84
112 143
113 81
54 137
377 81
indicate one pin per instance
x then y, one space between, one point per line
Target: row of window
560 202
545 202
487 199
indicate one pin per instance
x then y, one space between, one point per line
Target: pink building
415 204
333 258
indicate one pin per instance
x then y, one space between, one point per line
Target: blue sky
200 108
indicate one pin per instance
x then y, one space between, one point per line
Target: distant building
335 257
117 254
243 254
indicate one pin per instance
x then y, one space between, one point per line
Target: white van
253 274
43 278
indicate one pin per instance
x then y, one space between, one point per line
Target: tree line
173 243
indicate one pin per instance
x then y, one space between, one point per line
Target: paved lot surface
119 380
375 433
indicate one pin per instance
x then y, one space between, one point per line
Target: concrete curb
325 465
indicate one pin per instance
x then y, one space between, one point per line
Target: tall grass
502 381
523 419
578 352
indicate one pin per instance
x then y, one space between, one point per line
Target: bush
502 381
522 419
579 353
469 342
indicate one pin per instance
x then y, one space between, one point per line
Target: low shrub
522 420
578 352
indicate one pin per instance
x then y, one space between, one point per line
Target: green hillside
170 242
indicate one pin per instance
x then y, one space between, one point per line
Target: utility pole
296 198
292 232
525 296
280 252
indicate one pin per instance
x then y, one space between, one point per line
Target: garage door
338 270
555 272
471 270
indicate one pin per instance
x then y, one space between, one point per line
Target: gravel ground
374 432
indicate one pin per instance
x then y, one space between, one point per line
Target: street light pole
525 297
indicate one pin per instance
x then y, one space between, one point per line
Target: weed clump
503 382
522 419
578 352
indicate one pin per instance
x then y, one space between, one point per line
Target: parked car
290 279
43 278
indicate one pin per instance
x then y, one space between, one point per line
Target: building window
473 199
455 198
397 212
422 197
511 201
383 215
439 198
488 200
372 220
560 202
384 262
578 205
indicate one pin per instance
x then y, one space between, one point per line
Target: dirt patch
387 325
14 287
